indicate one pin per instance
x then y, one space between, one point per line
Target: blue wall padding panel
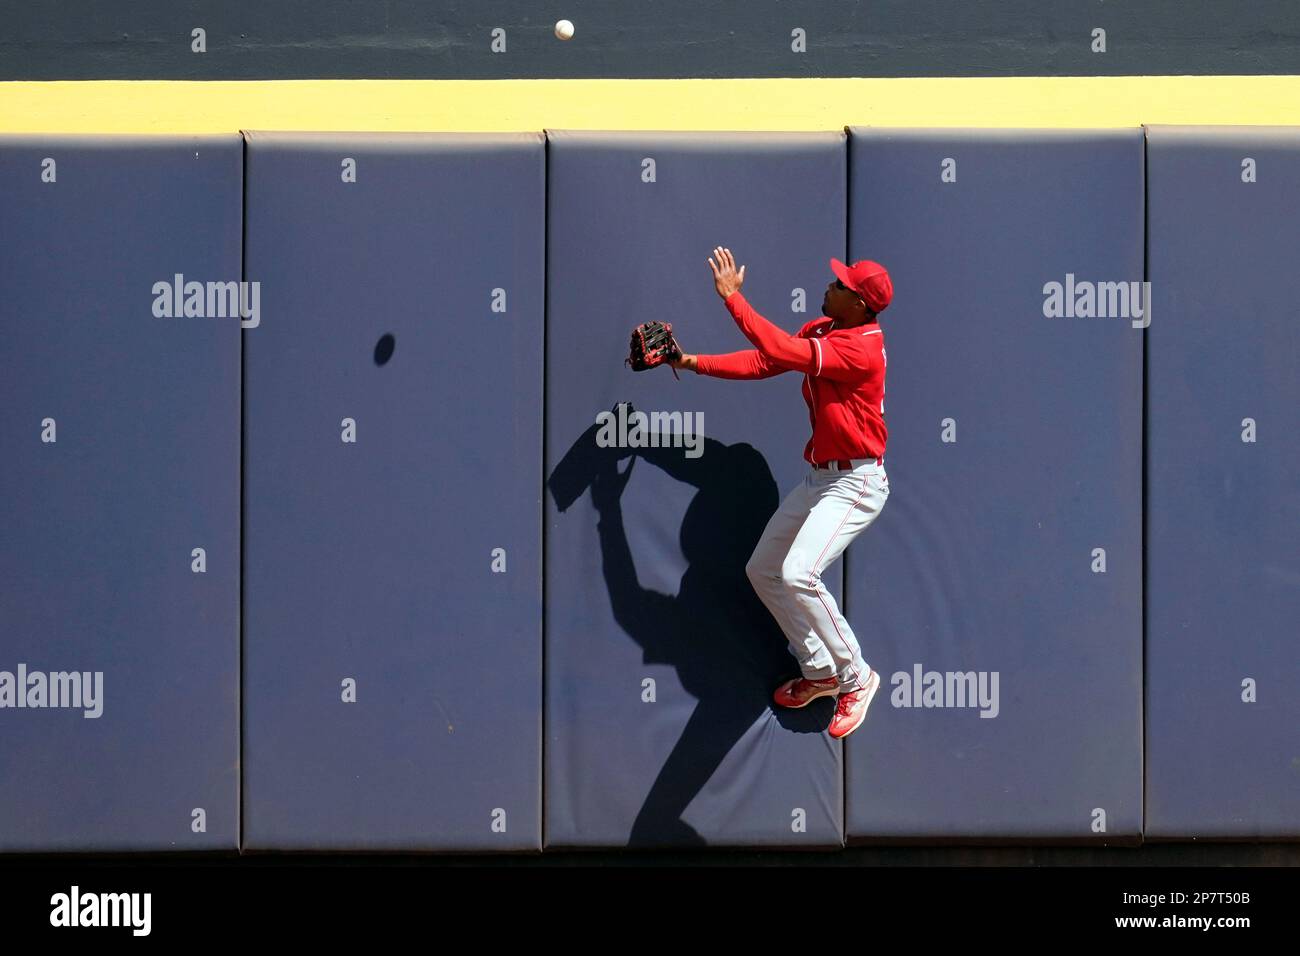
373 561
99 525
982 563
660 659
1223 505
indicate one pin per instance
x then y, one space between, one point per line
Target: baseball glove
653 344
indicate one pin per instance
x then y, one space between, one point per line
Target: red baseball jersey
844 377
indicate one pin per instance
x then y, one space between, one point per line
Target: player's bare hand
725 277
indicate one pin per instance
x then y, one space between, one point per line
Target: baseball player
842 358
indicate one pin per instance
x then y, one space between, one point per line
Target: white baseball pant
812 527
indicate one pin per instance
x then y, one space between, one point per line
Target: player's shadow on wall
728 651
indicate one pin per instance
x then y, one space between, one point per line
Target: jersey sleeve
776 344
847 358
841 359
749 364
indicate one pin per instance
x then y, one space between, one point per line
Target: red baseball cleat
801 691
851 708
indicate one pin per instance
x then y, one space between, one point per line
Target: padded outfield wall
416 477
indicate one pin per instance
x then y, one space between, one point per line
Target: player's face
839 300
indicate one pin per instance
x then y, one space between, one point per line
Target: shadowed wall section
660 660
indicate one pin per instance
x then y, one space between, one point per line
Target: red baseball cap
868 279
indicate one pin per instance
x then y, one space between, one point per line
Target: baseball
564 30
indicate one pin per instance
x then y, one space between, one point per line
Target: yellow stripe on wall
174 106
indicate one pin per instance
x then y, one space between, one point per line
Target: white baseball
564 30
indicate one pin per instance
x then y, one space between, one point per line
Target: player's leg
764 572
846 504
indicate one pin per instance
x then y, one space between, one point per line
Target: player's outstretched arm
749 364
776 344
